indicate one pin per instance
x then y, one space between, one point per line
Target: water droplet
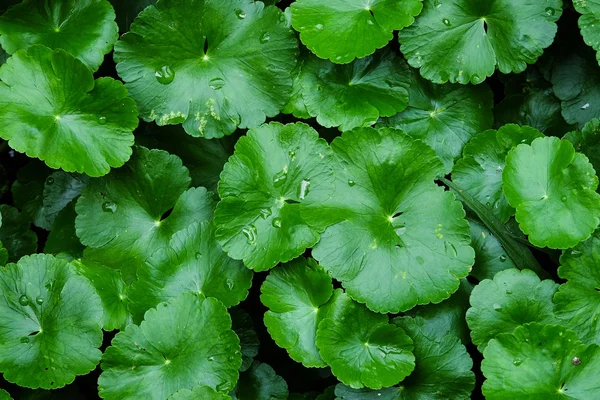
198 256
102 120
575 253
319 27
576 361
351 183
400 230
279 178
109 206
265 213
502 258
240 14
497 307
276 222
585 106
23 300
292 155
303 189
49 285
229 284
550 11
564 198
216 83
370 22
420 260
476 79
39 300
265 37
450 249
211 358
517 362
223 387
165 75
250 233
437 3
24 339
50 180
508 291
446 22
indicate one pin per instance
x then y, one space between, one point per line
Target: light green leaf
4 395
181 344
55 111
192 262
15 235
490 256
577 300
511 299
342 30
274 168
588 142
361 347
553 190
260 382
233 60
396 239
588 22
540 362
464 40
124 217
244 328
294 294
50 323
445 117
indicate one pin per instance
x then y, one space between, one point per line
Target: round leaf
464 40
540 362
511 299
150 361
342 30
397 239
294 294
361 347
85 29
260 382
192 262
357 94
578 301
124 217
232 59
590 18
55 111
50 323
274 168
445 117
553 190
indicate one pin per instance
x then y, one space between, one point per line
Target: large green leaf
124 217
274 168
445 117
588 22
397 239
511 299
181 344
15 235
553 190
55 111
539 362
192 262
260 382
464 40
354 95
588 142
578 300
342 30
85 29
50 323
233 60
294 294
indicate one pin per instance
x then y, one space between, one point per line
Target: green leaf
479 172
577 300
274 168
397 239
122 217
234 60
85 29
442 371
50 323
540 362
181 344
344 30
199 393
112 291
490 256
62 237
553 190
511 299
244 328
356 94
4 395
464 40
192 262
127 10
55 111
260 382
294 294
15 235
445 117
361 347
590 18
588 142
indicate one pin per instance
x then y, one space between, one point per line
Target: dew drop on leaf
502 258
517 361
576 361
265 37
370 22
50 180
303 189
165 75
23 300
198 255
24 339
279 178
564 198
250 233
437 3
292 155
265 213
211 358
446 22
102 120
109 206
550 11
319 27
351 183
216 83
276 222
240 14
39 300
229 284
497 307
575 253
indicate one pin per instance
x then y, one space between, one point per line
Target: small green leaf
588 22
260 382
